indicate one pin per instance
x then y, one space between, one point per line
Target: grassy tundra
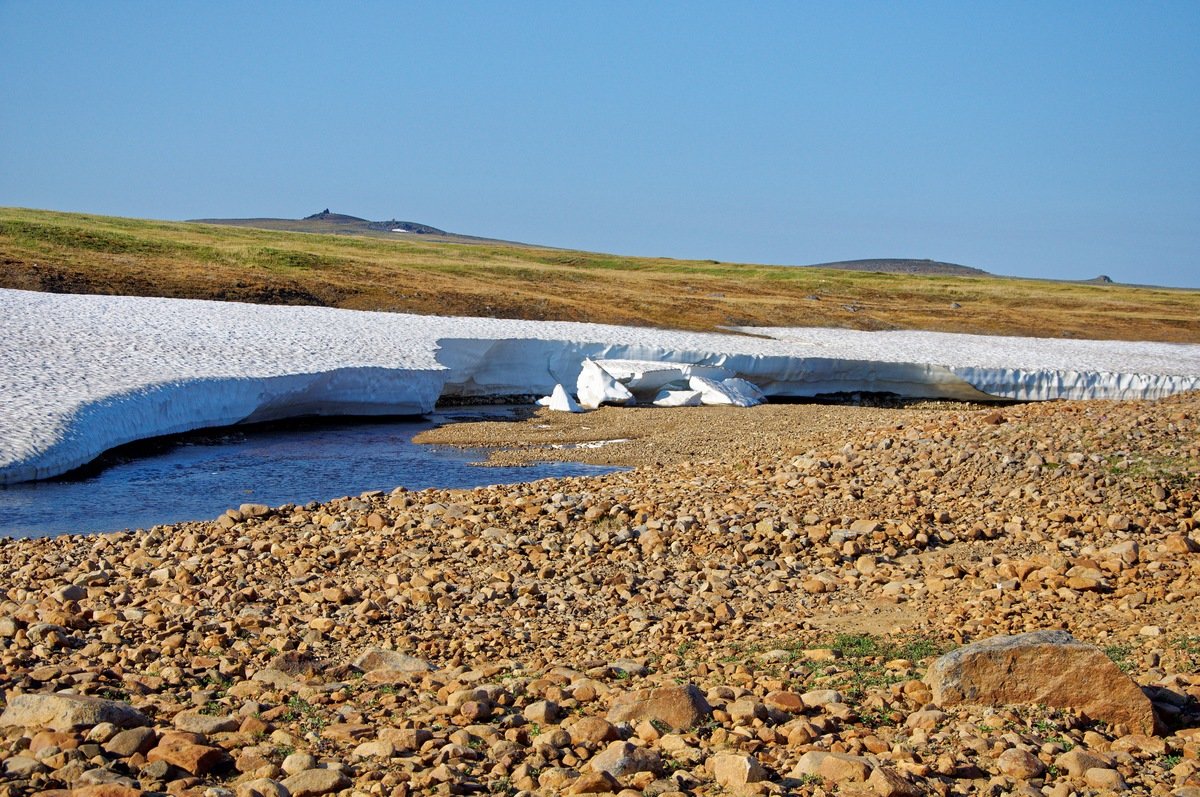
65 252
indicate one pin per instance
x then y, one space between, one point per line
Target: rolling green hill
65 252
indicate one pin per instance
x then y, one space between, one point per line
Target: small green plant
1170 761
877 718
502 786
683 648
1062 741
306 714
1189 646
1121 656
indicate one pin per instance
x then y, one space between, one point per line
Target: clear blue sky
1027 138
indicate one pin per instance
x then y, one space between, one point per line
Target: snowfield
82 374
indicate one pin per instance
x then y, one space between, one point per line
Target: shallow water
199 476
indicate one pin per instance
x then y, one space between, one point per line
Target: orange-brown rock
197 759
1048 667
680 707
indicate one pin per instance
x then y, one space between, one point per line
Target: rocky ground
754 615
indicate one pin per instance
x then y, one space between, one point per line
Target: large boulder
63 712
679 707
595 386
1048 667
382 659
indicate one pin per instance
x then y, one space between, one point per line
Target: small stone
821 697
261 787
196 759
790 702
295 763
1103 778
132 741
889 783
592 731
595 783
204 724
543 712
375 749
622 758
1076 762
837 767
1020 764
315 782
734 771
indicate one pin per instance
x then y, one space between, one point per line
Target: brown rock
1019 764
622 758
1076 762
261 787
61 712
106 790
680 707
380 659
134 740
198 759
1048 667
315 782
204 724
790 702
837 767
734 771
592 731
405 738
889 783
1103 778
595 783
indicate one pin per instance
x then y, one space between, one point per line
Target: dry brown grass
43 250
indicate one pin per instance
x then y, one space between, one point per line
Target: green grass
63 252
1121 655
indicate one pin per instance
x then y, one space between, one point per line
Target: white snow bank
81 374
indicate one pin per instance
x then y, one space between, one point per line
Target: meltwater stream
199 476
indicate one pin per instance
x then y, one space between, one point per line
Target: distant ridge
329 223
905 266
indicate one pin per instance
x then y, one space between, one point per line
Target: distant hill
415 272
329 223
903 266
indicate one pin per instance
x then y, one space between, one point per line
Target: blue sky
1034 139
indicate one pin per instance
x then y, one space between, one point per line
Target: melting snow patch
82 374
